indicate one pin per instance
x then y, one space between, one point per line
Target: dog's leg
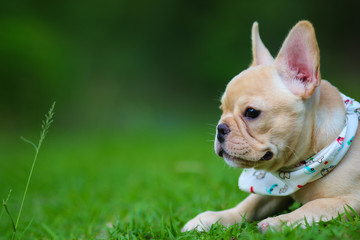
254 207
320 209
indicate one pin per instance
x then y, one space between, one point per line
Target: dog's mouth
244 162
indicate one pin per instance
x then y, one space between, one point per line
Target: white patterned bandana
287 181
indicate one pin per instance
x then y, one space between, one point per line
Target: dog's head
267 106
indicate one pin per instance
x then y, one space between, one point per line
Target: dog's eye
251 113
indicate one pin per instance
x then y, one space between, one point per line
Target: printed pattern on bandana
286 182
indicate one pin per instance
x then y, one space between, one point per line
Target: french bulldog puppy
276 114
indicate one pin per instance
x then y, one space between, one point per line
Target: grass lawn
144 183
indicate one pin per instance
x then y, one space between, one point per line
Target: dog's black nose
223 130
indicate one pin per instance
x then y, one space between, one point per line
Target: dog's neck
325 116
330 116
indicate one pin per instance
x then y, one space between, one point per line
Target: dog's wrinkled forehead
259 83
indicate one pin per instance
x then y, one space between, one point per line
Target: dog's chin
238 162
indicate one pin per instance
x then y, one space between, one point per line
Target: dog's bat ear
260 53
298 61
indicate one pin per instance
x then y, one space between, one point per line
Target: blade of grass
44 130
306 222
348 215
7 199
51 233
29 142
353 211
8 212
27 227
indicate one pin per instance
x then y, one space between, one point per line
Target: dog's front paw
202 222
263 226
278 223
273 223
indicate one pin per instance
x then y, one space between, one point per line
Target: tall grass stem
44 129
7 199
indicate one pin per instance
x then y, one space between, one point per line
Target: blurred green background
135 82
114 63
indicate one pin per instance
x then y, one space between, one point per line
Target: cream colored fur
296 121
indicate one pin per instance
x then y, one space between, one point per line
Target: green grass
142 183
